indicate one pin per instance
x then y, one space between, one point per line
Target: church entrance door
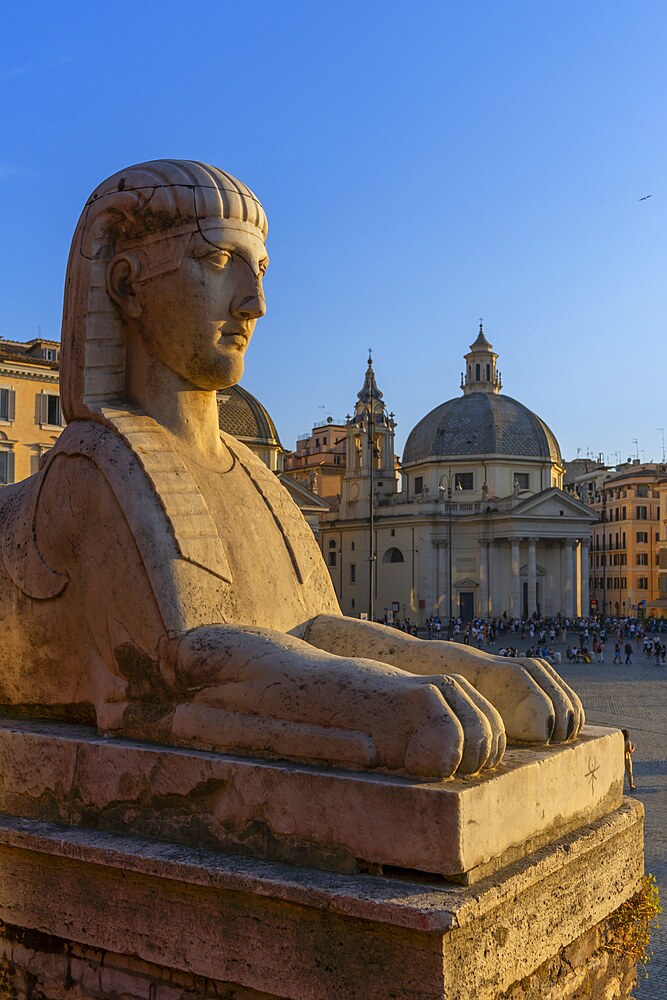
466 605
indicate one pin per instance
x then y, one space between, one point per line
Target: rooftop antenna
578 452
636 444
39 331
662 432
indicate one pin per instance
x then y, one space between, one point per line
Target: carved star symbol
591 773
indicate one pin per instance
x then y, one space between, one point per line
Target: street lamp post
371 515
604 551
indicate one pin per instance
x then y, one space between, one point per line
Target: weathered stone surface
293 812
35 964
296 933
585 969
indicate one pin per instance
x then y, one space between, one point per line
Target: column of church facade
443 578
494 574
483 578
550 595
568 577
584 570
532 577
516 577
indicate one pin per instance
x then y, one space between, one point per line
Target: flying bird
646 197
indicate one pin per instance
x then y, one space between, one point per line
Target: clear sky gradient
422 164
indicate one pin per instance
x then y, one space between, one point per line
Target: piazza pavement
635 698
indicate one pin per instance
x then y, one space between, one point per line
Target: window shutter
10 467
11 406
43 408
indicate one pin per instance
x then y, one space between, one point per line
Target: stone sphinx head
176 250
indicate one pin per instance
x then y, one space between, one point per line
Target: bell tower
481 374
370 463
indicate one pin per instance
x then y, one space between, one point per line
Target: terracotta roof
20 357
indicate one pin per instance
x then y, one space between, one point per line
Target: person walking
629 750
617 652
601 651
628 653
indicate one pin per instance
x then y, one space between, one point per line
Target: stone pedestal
326 818
121 875
122 916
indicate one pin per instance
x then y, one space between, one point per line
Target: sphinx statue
157 580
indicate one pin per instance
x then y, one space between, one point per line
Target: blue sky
421 165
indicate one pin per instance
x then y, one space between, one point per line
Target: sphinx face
197 320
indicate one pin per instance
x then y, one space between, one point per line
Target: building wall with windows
626 542
318 460
30 414
660 604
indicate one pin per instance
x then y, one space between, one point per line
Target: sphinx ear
123 273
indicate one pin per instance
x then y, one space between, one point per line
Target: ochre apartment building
30 414
624 555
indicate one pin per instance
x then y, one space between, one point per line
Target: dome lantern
481 374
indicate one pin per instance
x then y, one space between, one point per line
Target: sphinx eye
218 258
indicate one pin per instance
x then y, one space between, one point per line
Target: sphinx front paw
536 705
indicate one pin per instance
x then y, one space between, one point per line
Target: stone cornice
10 371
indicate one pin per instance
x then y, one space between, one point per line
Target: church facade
478 525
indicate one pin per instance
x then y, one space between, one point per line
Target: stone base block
158 919
35 966
335 820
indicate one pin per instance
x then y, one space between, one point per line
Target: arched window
332 544
478 372
393 555
488 373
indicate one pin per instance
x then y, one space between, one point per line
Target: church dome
481 423
244 417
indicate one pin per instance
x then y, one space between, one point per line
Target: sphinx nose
249 302
250 307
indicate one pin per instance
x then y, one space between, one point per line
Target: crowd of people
589 639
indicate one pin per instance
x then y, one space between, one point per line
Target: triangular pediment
554 503
302 496
465 584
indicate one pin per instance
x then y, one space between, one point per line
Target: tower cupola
481 374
